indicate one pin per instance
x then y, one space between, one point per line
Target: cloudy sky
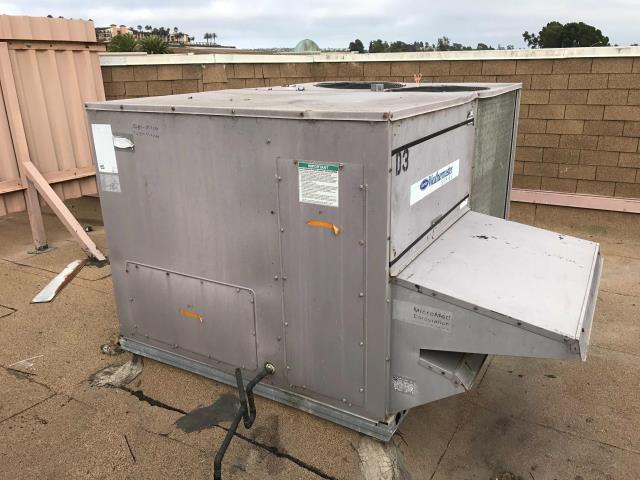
333 23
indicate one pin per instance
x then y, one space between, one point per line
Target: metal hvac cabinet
329 233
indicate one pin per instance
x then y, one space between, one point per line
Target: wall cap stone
141 58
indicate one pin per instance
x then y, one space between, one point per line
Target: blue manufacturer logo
424 184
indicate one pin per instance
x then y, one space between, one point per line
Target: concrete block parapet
579 115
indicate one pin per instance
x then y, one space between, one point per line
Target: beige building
104 34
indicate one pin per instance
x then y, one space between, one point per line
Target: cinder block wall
579 118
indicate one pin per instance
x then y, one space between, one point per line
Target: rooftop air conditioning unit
329 232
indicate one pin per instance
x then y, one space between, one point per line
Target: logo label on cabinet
433 182
422 315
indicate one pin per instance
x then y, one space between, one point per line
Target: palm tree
148 28
214 36
207 36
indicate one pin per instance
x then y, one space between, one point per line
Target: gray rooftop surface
534 418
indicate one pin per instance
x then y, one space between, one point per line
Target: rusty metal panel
55 76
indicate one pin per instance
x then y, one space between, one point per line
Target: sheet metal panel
324 291
320 104
196 315
431 178
226 167
495 122
501 267
12 201
19 27
52 88
52 85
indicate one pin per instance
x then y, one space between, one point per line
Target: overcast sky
333 23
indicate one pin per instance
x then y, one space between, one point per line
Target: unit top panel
316 104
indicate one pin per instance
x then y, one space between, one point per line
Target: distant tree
484 46
139 27
214 35
122 43
378 46
399 46
148 28
154 44
443 44
356 46
574 34
207 36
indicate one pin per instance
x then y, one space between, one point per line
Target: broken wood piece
60 281
62 212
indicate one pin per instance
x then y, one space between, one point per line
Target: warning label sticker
318 183
423 315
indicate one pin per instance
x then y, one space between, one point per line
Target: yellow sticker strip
329 226
191 314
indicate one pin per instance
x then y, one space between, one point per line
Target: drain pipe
246 412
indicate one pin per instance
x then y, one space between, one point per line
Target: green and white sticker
318 183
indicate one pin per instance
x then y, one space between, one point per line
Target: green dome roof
306 45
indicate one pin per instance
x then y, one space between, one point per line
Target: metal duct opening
357 85
460 368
